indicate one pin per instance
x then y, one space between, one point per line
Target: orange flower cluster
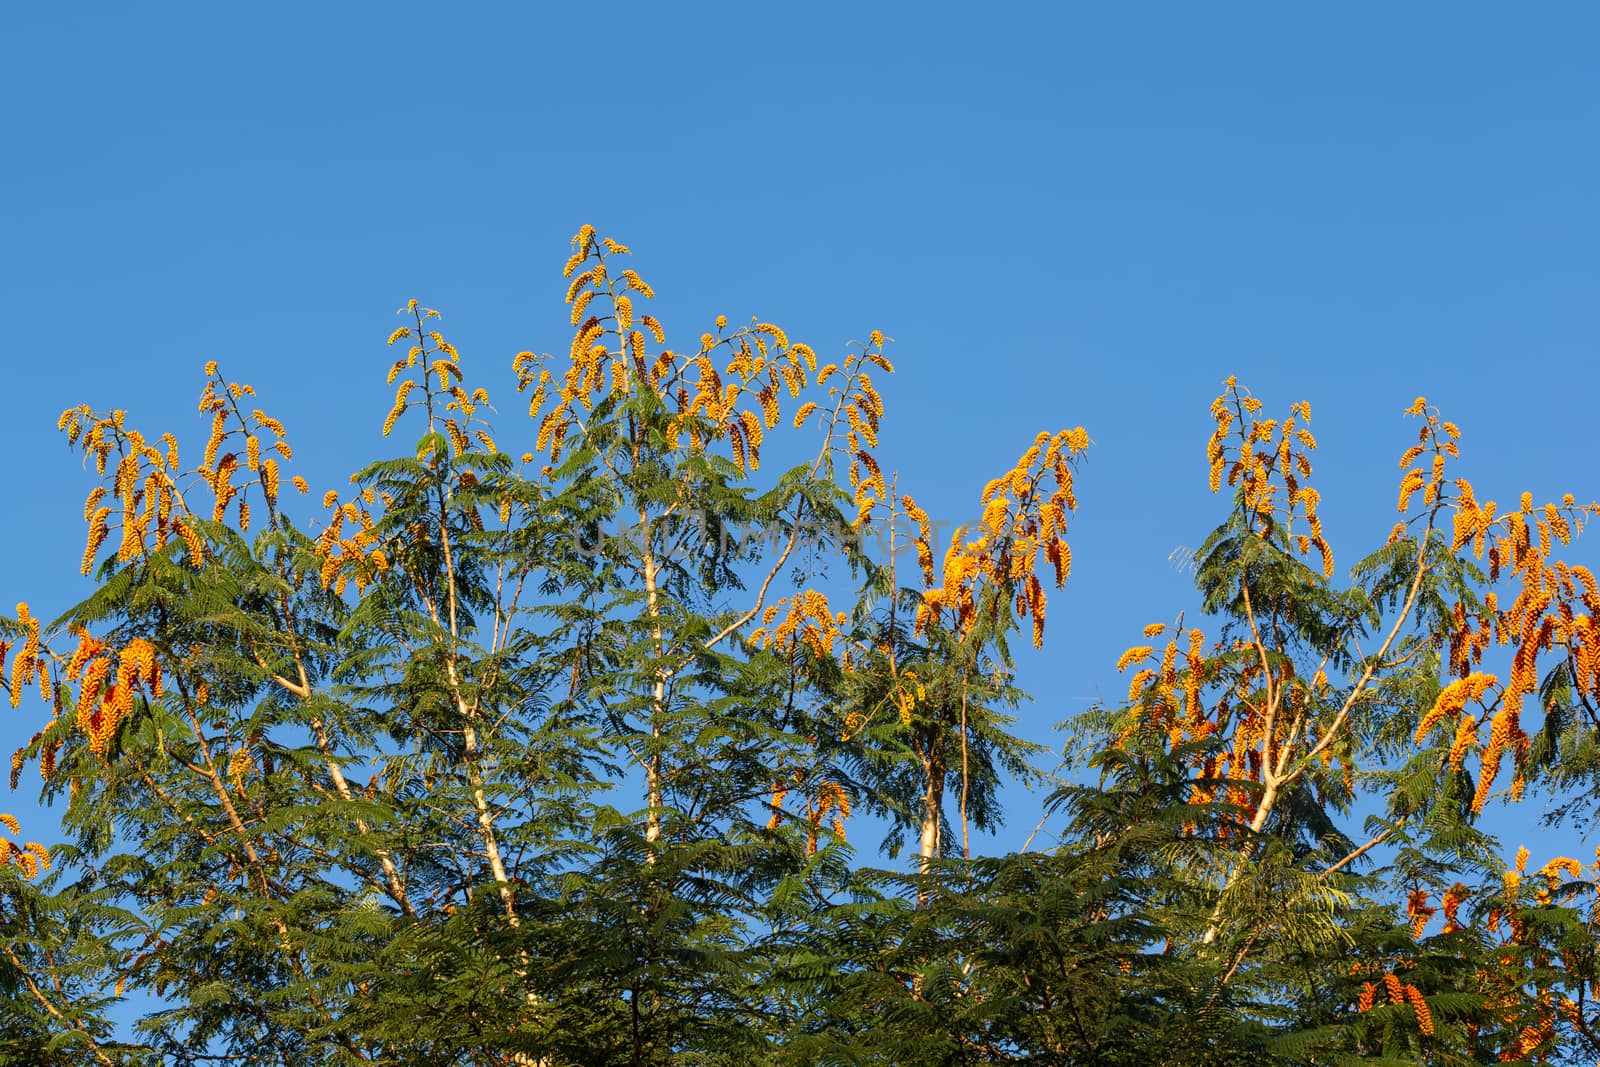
222 400
30 858
1450 904
451 393
141 492
109 684
30 666
1420 910
1264 456
830 800
140 496
1562 881
1168 699
730 390
1450 707
356 557
1556 607
1399 993
1024 519
808 622
608 357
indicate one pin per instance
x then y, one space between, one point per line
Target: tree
547 754
348 790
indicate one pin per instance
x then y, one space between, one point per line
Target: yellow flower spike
1136 654
579 305
632 280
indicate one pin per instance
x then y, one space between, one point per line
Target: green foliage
549 760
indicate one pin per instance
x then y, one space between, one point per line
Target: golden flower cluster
139 493
31 665
140 498
858 411
1436 437
1420 911
830 799
807 622
1267 459
735 402
355 555
1167 699
996 562
30 858
911 693
1450 903
450 407
1555 608
1562 865
1399 993
230 422
1178 695
1452 701
109 683
240 765
1507 991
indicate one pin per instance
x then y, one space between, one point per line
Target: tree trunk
932 819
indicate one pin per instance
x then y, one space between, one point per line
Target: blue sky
1063 214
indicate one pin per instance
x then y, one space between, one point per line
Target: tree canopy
553 740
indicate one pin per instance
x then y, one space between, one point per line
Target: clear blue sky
1063 213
